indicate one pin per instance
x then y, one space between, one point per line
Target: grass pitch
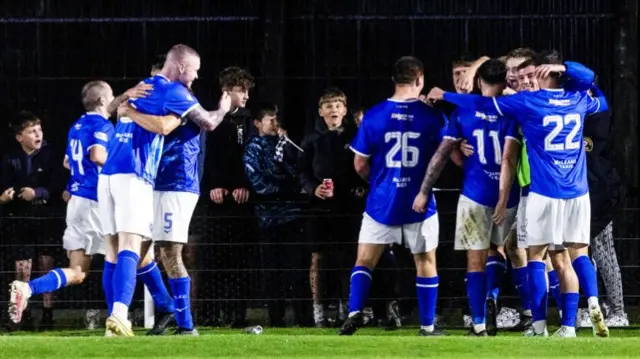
316 343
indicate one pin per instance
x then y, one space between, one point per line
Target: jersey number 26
400 143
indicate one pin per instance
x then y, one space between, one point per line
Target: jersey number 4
559 123
77 154
400 143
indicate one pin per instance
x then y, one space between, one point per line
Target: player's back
91 129
552 123
487 132
135 150
402 136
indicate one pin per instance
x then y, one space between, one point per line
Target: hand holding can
327 183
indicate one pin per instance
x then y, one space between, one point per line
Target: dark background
49 49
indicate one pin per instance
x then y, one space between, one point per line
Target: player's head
550 57
492 77
526 76
408 73
266 120
156 67
332 107
236 82
96 96
459 68
513 59
358 114
28 131
182 64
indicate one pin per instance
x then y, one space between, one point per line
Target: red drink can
328 184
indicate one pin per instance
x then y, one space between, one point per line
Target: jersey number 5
77 154
559 123
409 154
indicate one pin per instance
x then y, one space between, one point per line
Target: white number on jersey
559 123
77 154
497 151
409 154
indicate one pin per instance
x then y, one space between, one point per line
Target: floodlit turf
316 343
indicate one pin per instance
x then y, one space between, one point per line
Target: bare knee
476 260
426 264
577 250
171 256
369 255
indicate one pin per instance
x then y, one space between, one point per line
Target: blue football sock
570 309
427 297
495 269
152 278
586 273
124 277
520 279
181 288
49 282
359 288
476 292
538 287
107 283
554 288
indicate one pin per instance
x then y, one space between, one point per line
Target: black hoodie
606 190
327 155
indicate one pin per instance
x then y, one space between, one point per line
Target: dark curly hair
235 76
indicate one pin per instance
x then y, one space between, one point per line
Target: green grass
316 343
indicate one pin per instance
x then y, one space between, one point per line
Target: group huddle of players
139 181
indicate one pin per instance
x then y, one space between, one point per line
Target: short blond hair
332 94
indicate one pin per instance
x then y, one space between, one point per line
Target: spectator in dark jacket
31 180
327 156
606 193
225 181
269 162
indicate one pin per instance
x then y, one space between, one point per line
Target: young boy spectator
327 156
269 163
31 179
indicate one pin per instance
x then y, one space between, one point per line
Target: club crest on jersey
484 116
588 144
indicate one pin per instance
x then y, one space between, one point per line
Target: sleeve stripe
495 103
358 153
189 109
96 144
512 138
451 138
597 108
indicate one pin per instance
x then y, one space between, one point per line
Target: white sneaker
467 321
92 319
617 321
565 332
20 294
597 320
507 318
583 319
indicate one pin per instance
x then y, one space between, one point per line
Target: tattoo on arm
113 106
206 120
436 165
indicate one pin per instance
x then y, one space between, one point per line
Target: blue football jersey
135 150
178 171
91 129
399 138
487 132
552 123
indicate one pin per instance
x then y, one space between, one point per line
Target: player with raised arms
558 209
86 152
476 232
392 149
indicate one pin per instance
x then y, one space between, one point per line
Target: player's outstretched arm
162 125
209 120
510 157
